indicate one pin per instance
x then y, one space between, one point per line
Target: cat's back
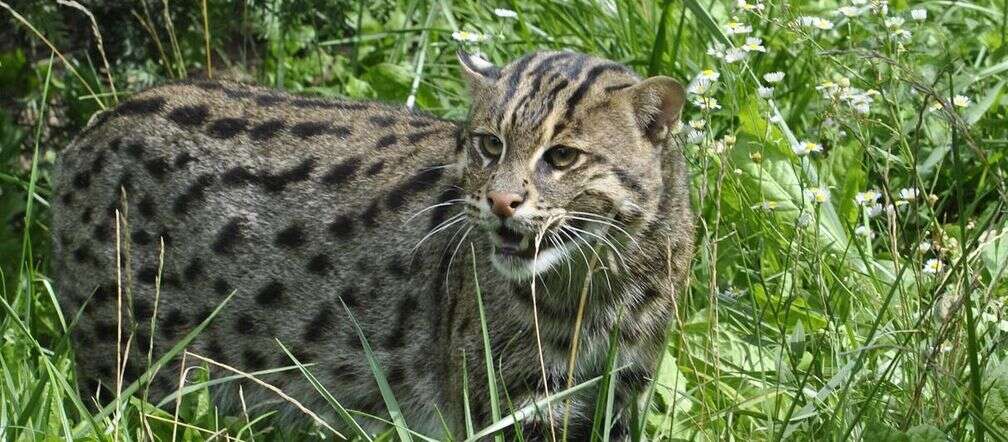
289 202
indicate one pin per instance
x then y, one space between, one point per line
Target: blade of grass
487 352
386 392
349 420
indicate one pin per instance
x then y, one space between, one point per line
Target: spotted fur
299 206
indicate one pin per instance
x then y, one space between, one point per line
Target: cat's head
566 149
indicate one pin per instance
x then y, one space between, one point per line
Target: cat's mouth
510 243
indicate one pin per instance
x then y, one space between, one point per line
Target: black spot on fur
340 131
238 93
342 227
193 115
195 193
420 182
98 163
396 268
370 215
67 198
226 127
254 360
271 293
238 175
157 168
83 255
105 331
147 275
173 324
291 237
147 207
345 371
142 310
166 237
349 297
341 172
194 270
266 129
320 325
319 264
418 123
396 375
278 182
135 149
386 141
308 129
115 144
221 287
245 324
183 159
87 215
405 311
215 351
417 137
228 237
439 214
141 237
267 100
382 120
82 180
102 232
141 106
375 168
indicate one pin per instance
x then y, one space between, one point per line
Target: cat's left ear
657 103
479 73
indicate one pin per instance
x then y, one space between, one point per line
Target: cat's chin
520 268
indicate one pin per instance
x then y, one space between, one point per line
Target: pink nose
503 204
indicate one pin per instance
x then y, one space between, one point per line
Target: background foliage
854 291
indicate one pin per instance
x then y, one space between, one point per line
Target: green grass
796 324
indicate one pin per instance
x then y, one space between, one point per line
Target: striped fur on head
618 125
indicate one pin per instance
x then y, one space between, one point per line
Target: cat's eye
489 146
561 157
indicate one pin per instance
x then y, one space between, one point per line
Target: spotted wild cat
566 163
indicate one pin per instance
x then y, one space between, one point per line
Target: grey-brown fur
252 191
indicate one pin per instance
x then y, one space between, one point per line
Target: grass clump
848 163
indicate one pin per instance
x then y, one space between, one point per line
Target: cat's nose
504 204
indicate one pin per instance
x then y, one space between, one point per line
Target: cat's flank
566 173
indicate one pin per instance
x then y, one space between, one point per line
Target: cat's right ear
479 73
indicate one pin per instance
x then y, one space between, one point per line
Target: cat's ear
657 103
478 73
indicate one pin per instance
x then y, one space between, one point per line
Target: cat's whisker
450 202
457 247
604 240
441 227
577 239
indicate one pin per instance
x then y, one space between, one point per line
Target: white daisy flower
767 206
933 266
894 22
908 193
734 54
750 7
815 22
708 75
918 14
764 92
707 103
874 210
694 136
505 13
803 148
697 87
468 37
924 246
697 124
753 44
936 106
849 11
818 195
773 77
863 230
804 220
867 197
734 27
960 101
